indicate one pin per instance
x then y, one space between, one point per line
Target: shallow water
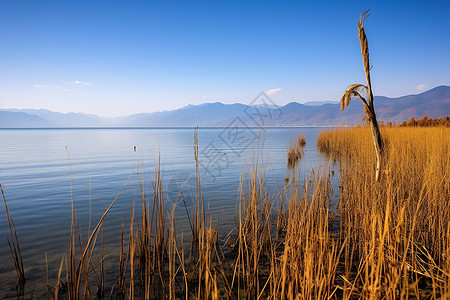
38 174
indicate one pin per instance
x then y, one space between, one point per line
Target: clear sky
121 57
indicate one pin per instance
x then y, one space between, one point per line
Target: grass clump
296 152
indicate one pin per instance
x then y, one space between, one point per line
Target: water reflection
35 173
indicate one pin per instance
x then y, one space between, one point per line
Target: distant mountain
434 103
65 119
319 103
9 119
207 114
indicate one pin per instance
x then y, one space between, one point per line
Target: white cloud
46 86
78 82
421 87
273 91
65 86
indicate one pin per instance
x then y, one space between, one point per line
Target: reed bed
393 239
398 228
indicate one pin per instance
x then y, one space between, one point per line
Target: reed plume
358 90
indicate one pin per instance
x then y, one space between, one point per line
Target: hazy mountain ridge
64 119
10 119
434 103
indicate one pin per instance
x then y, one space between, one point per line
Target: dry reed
14 246
393 240
398 227
296 152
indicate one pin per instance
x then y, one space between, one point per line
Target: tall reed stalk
14 246
358 90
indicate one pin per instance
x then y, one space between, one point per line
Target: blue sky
117 58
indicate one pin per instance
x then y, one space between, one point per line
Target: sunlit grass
398 227
393 239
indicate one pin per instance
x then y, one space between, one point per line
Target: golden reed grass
398 228
296 152
393 239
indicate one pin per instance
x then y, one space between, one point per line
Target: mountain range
433 103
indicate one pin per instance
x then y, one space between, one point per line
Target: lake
40 167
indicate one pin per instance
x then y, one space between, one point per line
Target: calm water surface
38 176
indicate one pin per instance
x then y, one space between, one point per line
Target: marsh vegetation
385 239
